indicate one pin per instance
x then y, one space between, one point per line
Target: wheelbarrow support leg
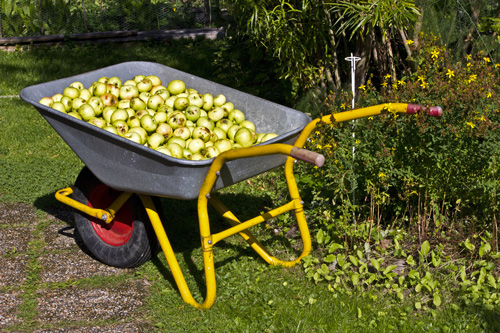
174 265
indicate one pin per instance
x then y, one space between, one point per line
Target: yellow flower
370 118
470 124
497 65
384 84
469 64
488 95
435 54
450 74
401 82
381 175
409 42
468 57
487 60
319 146
357 142
482 118
387 76
362 87
421 78
424 85
317 133
472 78
342 106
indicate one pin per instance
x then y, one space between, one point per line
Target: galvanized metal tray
128 166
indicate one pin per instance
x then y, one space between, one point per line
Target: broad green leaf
375 264
410 261
329 258
355 279
335 246
463 274
354 260
389 269
320 236
400 296
418 305
491 281
436 300
418 287
484 249
425 248
360 314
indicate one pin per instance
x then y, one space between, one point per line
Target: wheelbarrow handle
308 156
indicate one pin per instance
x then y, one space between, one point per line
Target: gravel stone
14 240
17 213
10 301
125 327
12 272
61 267
62 237
82 304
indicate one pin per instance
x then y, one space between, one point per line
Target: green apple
112 89
165 130
57 97
162 92
236 116
110 129
137 104
77 84
268 137
119 114
148 123
121 126
205 122
210 152
103 79
220 133
216 114
86 112
208 102
145 85
155 140
128 92
244 137
202 132
175 149
59 106
71 92
133 122
182 132
187 154
85 94
176 87
74 114
224 124
227 107
67 102
109 99
176 119
97 104
99 122
144 96
47 101
123 103
193 113
197 157
141 113
219 100
161 117
164 150
154 79
181 103
139 78
232 131
248 124
177 140
195 99
223 145
141 131
114 80
98 88
195 145
155 101
76 103
132 136
107 112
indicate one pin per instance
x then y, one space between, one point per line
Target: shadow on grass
180 220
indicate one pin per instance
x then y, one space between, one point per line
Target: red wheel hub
119 231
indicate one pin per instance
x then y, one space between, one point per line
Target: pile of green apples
173 119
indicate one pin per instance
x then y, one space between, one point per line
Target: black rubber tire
135 241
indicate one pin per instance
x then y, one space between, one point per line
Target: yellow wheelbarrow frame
208 239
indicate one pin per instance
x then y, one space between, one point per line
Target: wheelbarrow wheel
129 240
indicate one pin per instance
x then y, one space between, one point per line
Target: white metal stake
353 61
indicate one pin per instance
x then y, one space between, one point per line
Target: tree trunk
418 26
364 46
474 15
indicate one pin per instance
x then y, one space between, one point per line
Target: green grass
251 295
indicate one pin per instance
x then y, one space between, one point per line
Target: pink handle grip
433 111
308 156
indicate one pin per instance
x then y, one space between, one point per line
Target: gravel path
48 283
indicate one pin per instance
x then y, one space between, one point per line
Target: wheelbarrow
116 197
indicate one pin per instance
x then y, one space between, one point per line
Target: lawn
252 296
